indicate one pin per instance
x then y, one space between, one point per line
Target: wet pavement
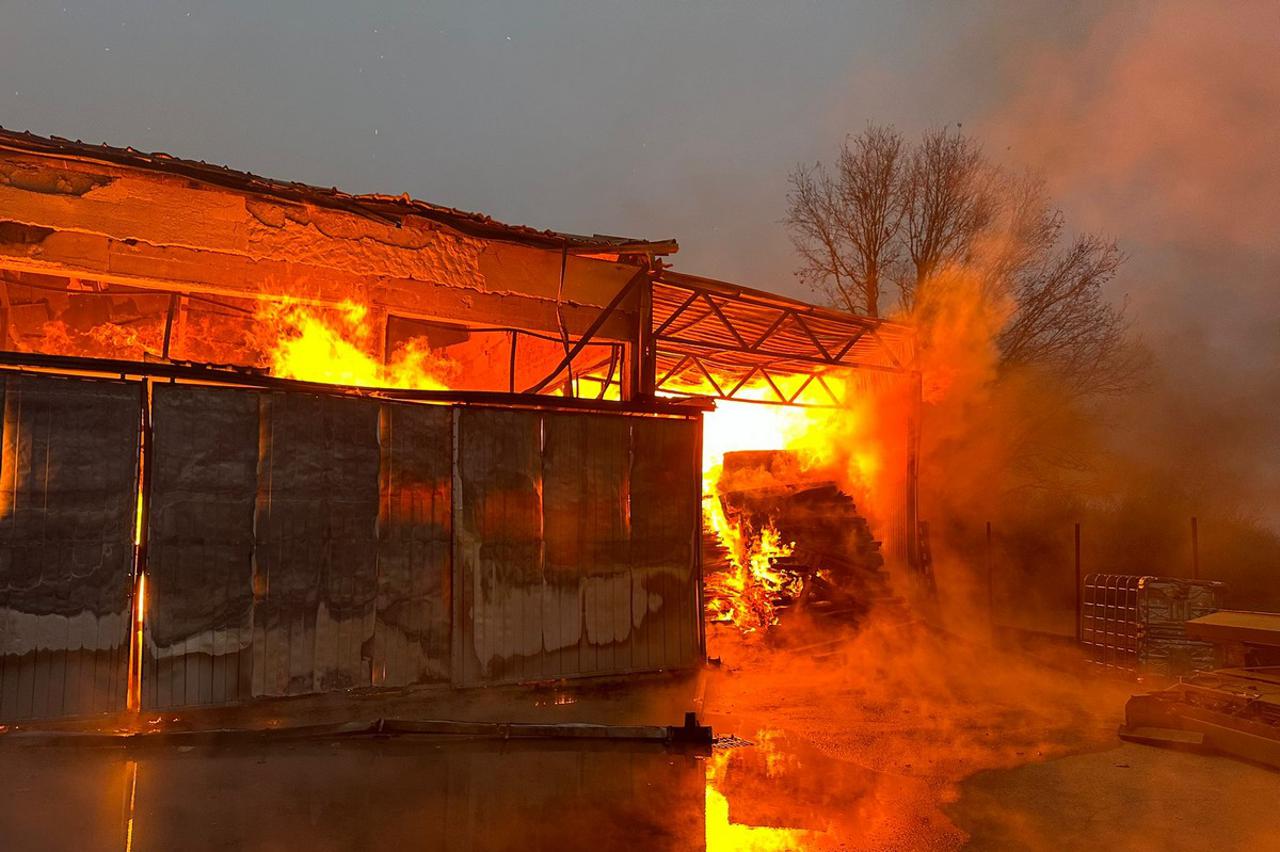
1125 798
352 794
418 793
895 742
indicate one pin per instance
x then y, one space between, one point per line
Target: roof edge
389 209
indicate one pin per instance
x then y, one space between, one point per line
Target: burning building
265 439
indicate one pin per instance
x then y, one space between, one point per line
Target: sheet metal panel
204 479
575 545
316 543
666 513
498 545
411 639
587 618
68 496
298 543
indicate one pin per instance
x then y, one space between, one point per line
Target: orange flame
337 346
847 444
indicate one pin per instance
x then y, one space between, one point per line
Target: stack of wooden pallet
832 547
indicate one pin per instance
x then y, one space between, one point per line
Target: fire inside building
265 439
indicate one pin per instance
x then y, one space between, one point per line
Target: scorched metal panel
298 543
574 541
589 581
666 516
498 545
68 496
411 642
316 543
204 478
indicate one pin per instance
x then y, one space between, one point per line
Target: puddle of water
782 793
772 795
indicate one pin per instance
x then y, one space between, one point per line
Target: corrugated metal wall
411 631
315 545
68 497
574 545
301 543
298 543
199 624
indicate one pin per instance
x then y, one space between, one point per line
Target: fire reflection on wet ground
774 789
772 792
352 794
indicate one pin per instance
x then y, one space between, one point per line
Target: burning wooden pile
795 544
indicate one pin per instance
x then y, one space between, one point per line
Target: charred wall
575 543
148 232
298 542
68 478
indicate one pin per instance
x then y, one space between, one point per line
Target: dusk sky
579 116
683 119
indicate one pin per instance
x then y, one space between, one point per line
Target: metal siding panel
575 553
68 480
317 542
412 620
664 518
498 541
200 559
585 465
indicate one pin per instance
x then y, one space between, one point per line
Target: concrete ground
1127 797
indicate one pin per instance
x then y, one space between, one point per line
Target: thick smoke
1154 124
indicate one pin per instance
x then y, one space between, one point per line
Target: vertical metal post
699 592
1195 549
644 368
913 473
141 538
1079 587
175 323
991 585
511 381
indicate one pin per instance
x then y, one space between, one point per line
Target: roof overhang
732 342
390 209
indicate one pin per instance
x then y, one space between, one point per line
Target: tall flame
843 443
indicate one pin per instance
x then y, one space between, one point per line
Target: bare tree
905 214
948 201
846 228
1062 322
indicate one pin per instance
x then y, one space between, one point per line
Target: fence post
991 595
1079 587
1195 549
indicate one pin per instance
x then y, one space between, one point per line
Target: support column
643 353
913 473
